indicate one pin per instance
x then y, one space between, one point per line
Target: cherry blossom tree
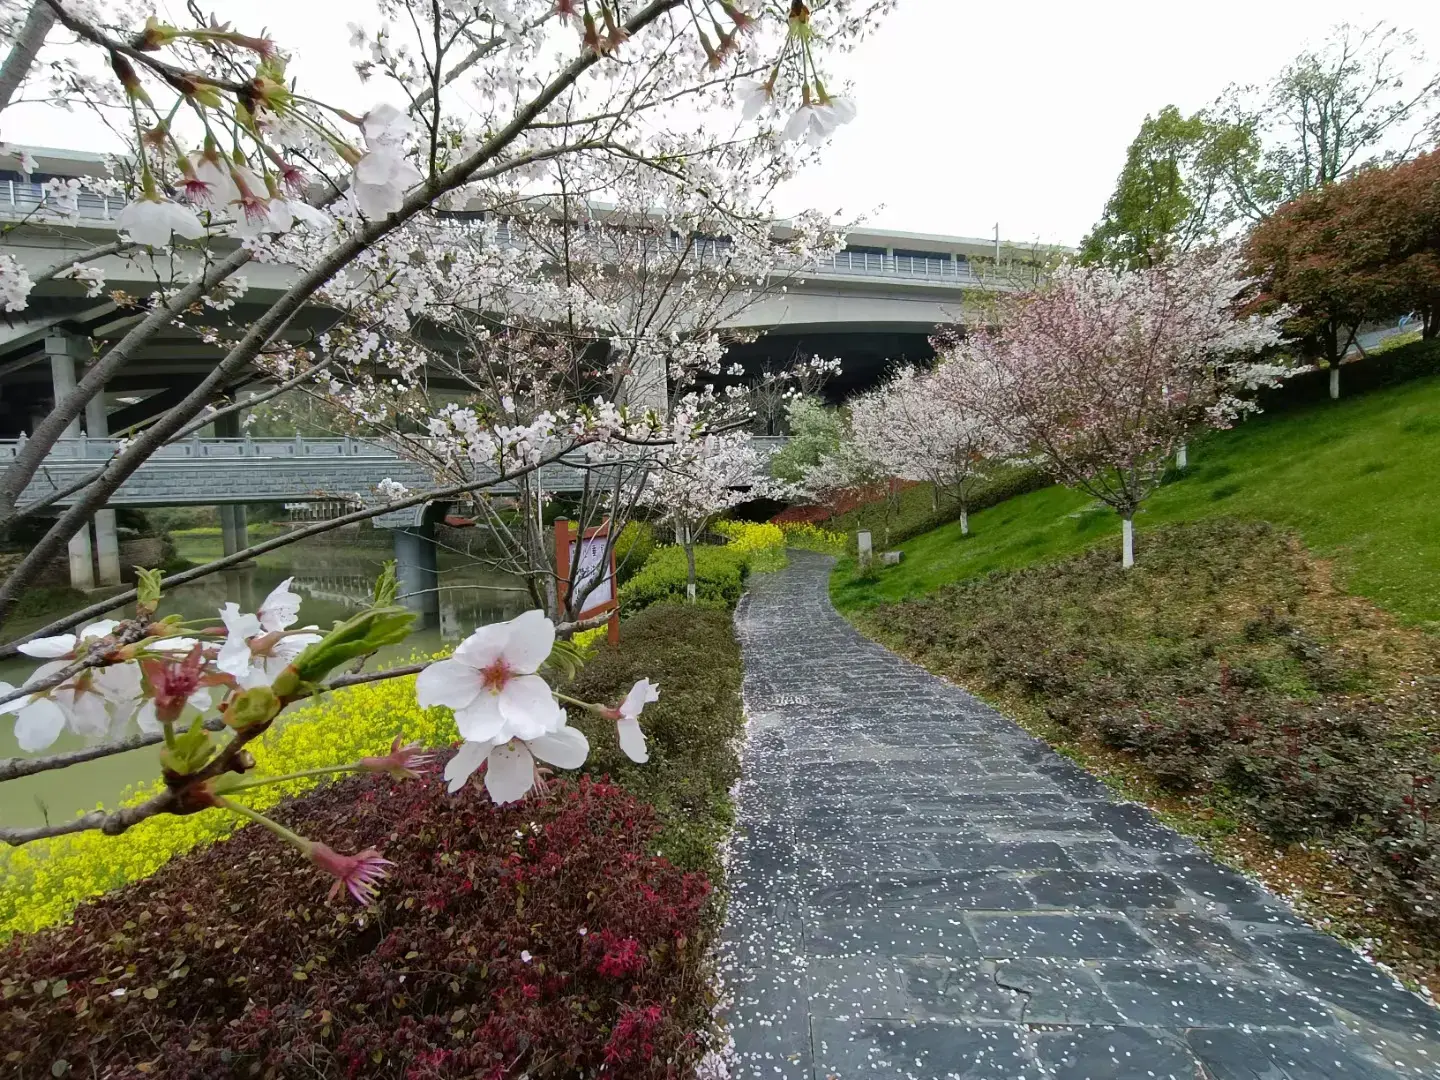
914 427
1103 375
388 220
697 478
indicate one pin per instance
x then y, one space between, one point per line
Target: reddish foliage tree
1363 249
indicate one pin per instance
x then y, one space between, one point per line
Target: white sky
971 112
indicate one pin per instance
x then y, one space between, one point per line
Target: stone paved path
920 889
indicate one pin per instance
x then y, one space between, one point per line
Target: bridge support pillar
65 351
417 572
107 538
234 528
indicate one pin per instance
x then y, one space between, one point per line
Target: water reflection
334 582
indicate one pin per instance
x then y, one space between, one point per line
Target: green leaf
387 585
357 636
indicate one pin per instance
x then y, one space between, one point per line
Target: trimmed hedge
691 731
1382 367
720 572
539 938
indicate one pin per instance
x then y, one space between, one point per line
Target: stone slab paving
920 889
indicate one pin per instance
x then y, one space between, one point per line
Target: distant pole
997 243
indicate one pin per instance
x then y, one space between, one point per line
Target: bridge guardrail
19 200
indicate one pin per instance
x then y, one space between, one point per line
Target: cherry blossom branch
110 822
10 648
27 462
124 464
113 248
172 74
14 768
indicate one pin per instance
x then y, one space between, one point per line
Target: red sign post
602 596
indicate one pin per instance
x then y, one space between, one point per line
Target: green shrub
720 572
633 548
691 731
762 541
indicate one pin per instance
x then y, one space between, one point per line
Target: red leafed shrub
539 938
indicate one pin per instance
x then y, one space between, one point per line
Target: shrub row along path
920 889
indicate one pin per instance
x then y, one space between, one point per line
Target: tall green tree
1355 101
1165 198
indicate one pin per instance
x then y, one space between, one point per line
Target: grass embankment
1359 480
1230 683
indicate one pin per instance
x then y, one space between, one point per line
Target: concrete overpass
885 287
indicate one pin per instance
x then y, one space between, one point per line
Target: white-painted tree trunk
1127 533
964 523
1334 382
690 591
1182 457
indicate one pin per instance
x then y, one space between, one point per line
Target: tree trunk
1127 541
690 581
1335 381
1182 457
21 57
964 522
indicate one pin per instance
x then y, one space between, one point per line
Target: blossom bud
252 708
155 36
125 72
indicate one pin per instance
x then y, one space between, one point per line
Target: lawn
1359 479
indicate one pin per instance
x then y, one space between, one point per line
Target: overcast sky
971 112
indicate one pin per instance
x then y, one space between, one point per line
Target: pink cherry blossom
359 874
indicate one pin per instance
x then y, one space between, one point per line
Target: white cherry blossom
510 765
151 220
256 648
491 685
627 724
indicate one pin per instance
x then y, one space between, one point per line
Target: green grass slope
1359 479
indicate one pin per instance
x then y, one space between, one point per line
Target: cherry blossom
383 174
93 704
491 683
207 182
627 720
150 220
358 874
754 97
256 648
510 770
15 284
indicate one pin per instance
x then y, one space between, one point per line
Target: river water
333 581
